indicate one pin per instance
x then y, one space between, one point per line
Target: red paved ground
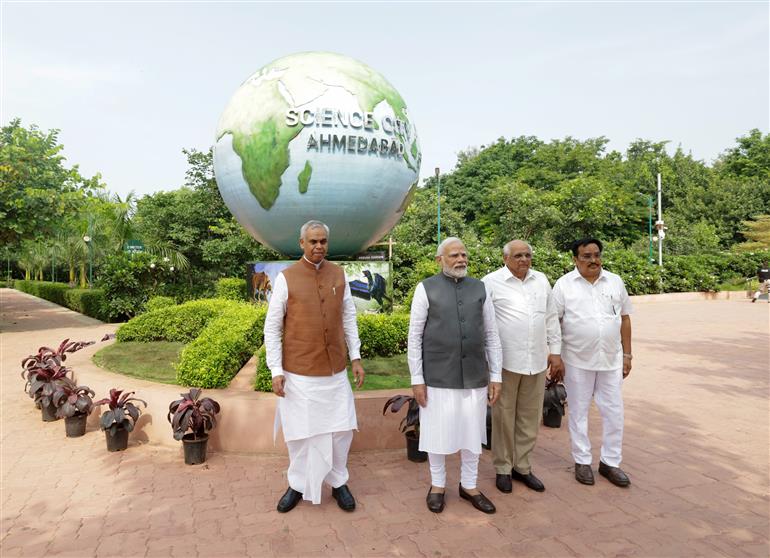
696 449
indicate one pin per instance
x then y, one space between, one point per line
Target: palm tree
74 251
123 225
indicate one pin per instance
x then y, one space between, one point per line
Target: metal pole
90 254
660 219
438 227
649 223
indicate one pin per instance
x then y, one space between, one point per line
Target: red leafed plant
44 370
122 412
192 413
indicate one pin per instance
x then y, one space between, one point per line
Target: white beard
457 273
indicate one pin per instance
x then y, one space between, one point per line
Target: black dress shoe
503 483
290 499
479 501
584 474
529 480
614 474
344 498
435 501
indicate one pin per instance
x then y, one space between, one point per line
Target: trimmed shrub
231 288
383 334
158 302
181 323
263 381
222 348
52 291
86 301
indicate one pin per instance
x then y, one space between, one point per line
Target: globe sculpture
317 135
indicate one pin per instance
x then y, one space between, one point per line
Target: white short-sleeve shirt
590 319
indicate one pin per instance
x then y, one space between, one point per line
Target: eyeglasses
589 257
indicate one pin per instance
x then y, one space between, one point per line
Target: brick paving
696 449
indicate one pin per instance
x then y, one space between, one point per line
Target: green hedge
383 334
264 379
223 347
86 301
181 323
159 302
231 288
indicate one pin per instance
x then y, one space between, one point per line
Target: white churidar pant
469 469
604 386
319 459
317 417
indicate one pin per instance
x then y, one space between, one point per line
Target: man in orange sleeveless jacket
310 331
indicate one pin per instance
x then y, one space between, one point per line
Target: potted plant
120 418
44 370
410 425
191 418
73 403
553 403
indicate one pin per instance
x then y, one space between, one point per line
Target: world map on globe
322 136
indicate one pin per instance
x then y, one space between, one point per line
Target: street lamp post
438 227
651 259
87 240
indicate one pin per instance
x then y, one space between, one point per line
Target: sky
131 84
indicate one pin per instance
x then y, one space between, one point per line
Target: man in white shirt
310 331
454 359
595 313
531 339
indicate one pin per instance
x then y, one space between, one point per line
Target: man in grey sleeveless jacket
455 360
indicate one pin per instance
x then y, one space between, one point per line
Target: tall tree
38 189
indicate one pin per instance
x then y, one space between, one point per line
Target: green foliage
231 288
181 323
751 157
263 381
159 302
128 280
87 301
38 191
383 334
222 348
757 234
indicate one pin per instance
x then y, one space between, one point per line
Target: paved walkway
696 449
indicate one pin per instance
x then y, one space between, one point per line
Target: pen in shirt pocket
334 291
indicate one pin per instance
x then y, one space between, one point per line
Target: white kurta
453 419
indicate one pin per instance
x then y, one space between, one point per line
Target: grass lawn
385 373
148 361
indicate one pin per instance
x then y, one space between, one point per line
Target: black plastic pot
75 426
413 452
194 449
48 413
552 418
119 441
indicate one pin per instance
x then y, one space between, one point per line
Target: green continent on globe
304 177
260 138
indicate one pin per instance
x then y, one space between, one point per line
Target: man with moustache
594 309
454 359
531 339
310 322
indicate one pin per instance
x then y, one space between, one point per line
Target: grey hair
445 243
507 247
313 224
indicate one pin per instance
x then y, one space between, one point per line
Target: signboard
133 246
369 283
